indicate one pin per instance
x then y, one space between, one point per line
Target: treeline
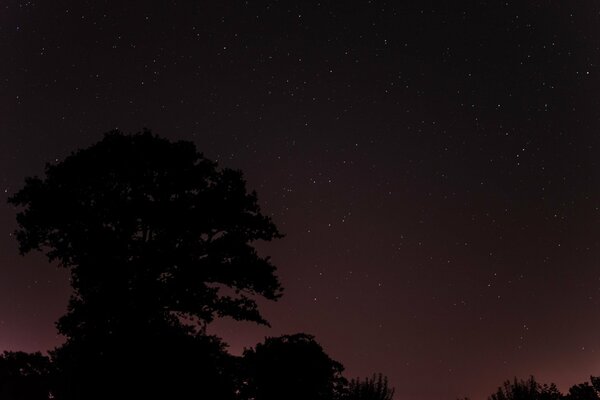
530 389
288 367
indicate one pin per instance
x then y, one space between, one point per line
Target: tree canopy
24 376
152 232
374 388
292 367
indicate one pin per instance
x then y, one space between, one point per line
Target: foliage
165 366
292 367
159 241
595 382
25 376
374 388
584 391
153 233
528 389
531 390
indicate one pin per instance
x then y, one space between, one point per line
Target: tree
595 382
584 391
25 376
159 242
528 389
292 367
375 388
167 365
150 229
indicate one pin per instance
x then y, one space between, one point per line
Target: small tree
528 389
292 367
375 388
583 391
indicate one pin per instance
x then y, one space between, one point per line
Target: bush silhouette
292 367
528 389
375 388
584 391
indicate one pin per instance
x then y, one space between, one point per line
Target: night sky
433 164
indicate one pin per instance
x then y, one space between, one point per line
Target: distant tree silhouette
526 390
25 376
595 380
584 391
159 242
291 367
168 365
531 390
375 388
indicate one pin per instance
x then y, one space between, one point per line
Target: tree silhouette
528 389
159 242
150 229
292 367
165 365
531 390
25 376
595 382
375 388
584 391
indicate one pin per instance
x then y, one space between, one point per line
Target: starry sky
433 164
